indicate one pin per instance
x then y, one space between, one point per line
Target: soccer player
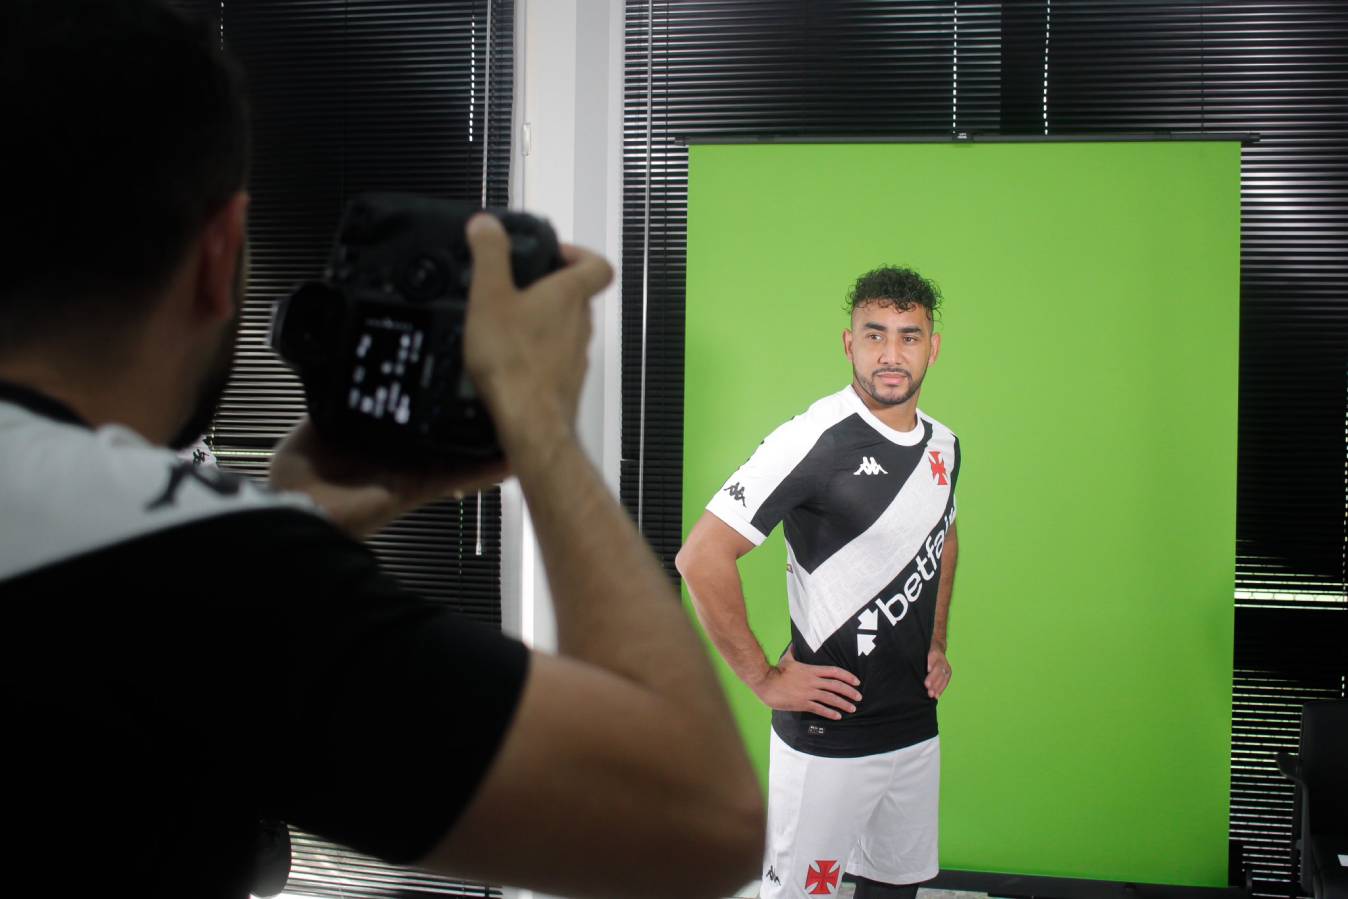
864 484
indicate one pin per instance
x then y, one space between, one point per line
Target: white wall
567 166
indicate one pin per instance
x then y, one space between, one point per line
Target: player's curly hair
892 285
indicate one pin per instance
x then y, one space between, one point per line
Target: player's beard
889 398
216 377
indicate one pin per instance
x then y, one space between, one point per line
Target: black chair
1320 807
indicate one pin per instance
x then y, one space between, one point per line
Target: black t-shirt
185 653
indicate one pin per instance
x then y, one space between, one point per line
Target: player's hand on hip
525 349
938 673
793 686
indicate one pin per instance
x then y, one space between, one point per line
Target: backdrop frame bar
1246 138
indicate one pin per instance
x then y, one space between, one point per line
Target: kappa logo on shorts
869 466
772 875
822 877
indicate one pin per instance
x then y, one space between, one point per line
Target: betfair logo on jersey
924 567
869 466
737 492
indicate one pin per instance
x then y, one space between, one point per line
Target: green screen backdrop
1089 368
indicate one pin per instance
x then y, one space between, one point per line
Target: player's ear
847 343
935 348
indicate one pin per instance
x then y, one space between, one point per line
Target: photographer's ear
222 242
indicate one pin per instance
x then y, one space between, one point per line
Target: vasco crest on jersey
939 473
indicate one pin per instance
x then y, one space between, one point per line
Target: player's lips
891 377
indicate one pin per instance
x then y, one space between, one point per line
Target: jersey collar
903 438
39 404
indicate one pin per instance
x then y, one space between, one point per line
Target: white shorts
874 816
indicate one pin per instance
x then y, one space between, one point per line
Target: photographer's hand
526 349
361 496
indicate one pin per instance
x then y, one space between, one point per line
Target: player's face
890 350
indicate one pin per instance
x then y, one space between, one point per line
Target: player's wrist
757 680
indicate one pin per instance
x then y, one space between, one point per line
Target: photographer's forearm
359 512
359 496
615 607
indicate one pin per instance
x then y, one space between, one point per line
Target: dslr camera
378 341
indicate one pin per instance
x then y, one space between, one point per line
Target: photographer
187 654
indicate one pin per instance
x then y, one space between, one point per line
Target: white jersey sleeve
773 482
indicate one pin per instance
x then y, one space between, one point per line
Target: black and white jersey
184 654
68 490
865 510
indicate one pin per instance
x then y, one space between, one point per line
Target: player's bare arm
708 563
938 666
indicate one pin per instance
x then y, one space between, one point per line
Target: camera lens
423 279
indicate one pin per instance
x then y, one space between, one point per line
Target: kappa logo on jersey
737 492
822 877
869 466
923 569
772 875
938 472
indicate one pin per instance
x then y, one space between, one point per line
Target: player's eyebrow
906 329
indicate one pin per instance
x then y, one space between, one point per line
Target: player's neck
902 418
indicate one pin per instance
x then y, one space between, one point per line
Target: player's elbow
685 559
700 559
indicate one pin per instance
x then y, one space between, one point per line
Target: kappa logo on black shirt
869 466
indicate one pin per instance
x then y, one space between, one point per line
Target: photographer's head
127 156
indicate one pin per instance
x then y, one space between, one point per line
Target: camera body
378 342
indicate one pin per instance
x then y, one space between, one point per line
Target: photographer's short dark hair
126 128
895 286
